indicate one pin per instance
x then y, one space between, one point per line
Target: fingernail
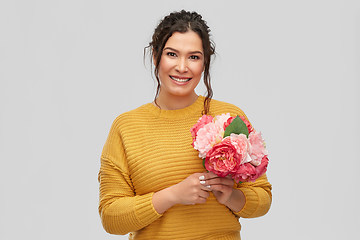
201 177
208 186
202 182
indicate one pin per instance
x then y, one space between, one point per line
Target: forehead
188 41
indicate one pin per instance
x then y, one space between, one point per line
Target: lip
181 78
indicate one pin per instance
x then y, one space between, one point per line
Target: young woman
152 182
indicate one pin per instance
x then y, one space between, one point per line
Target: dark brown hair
182 22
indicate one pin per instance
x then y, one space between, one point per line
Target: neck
173 102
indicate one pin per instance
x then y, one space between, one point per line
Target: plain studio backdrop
69 68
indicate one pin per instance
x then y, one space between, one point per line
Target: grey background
68 68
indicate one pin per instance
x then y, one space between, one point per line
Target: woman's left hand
224 191
222 188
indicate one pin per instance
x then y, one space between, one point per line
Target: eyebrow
193 52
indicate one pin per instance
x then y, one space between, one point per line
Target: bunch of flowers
230 146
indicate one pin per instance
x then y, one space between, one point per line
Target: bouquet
230 146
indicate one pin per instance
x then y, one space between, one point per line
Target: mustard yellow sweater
149 149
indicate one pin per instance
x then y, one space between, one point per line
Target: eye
194 57
171 54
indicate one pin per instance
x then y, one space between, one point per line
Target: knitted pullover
149 149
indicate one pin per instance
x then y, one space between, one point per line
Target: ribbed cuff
232 236
251 204
145 210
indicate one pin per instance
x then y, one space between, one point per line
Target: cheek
198 69
164 66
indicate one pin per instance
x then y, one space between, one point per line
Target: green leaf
237 126
204 163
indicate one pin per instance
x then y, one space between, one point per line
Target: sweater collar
196 107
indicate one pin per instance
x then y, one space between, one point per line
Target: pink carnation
207 137
205 119
258 150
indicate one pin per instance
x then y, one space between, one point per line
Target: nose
181 65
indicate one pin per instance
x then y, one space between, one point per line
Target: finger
217 181
204 194
210 175
200 200
221 188
206 187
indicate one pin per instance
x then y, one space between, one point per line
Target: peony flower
248 172
227 123
207 136
221 119
260 170
223 159
250 128
245 172
205 119
242 146
258 150
247 123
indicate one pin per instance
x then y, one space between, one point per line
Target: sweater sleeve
120 209
258 198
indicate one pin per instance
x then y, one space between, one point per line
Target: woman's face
181 64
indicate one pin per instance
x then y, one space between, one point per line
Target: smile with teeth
179 79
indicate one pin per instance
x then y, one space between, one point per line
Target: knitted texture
149 149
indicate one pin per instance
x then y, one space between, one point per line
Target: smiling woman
180 70
186 23
152 182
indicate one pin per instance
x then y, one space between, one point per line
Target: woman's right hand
187 192
190 191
